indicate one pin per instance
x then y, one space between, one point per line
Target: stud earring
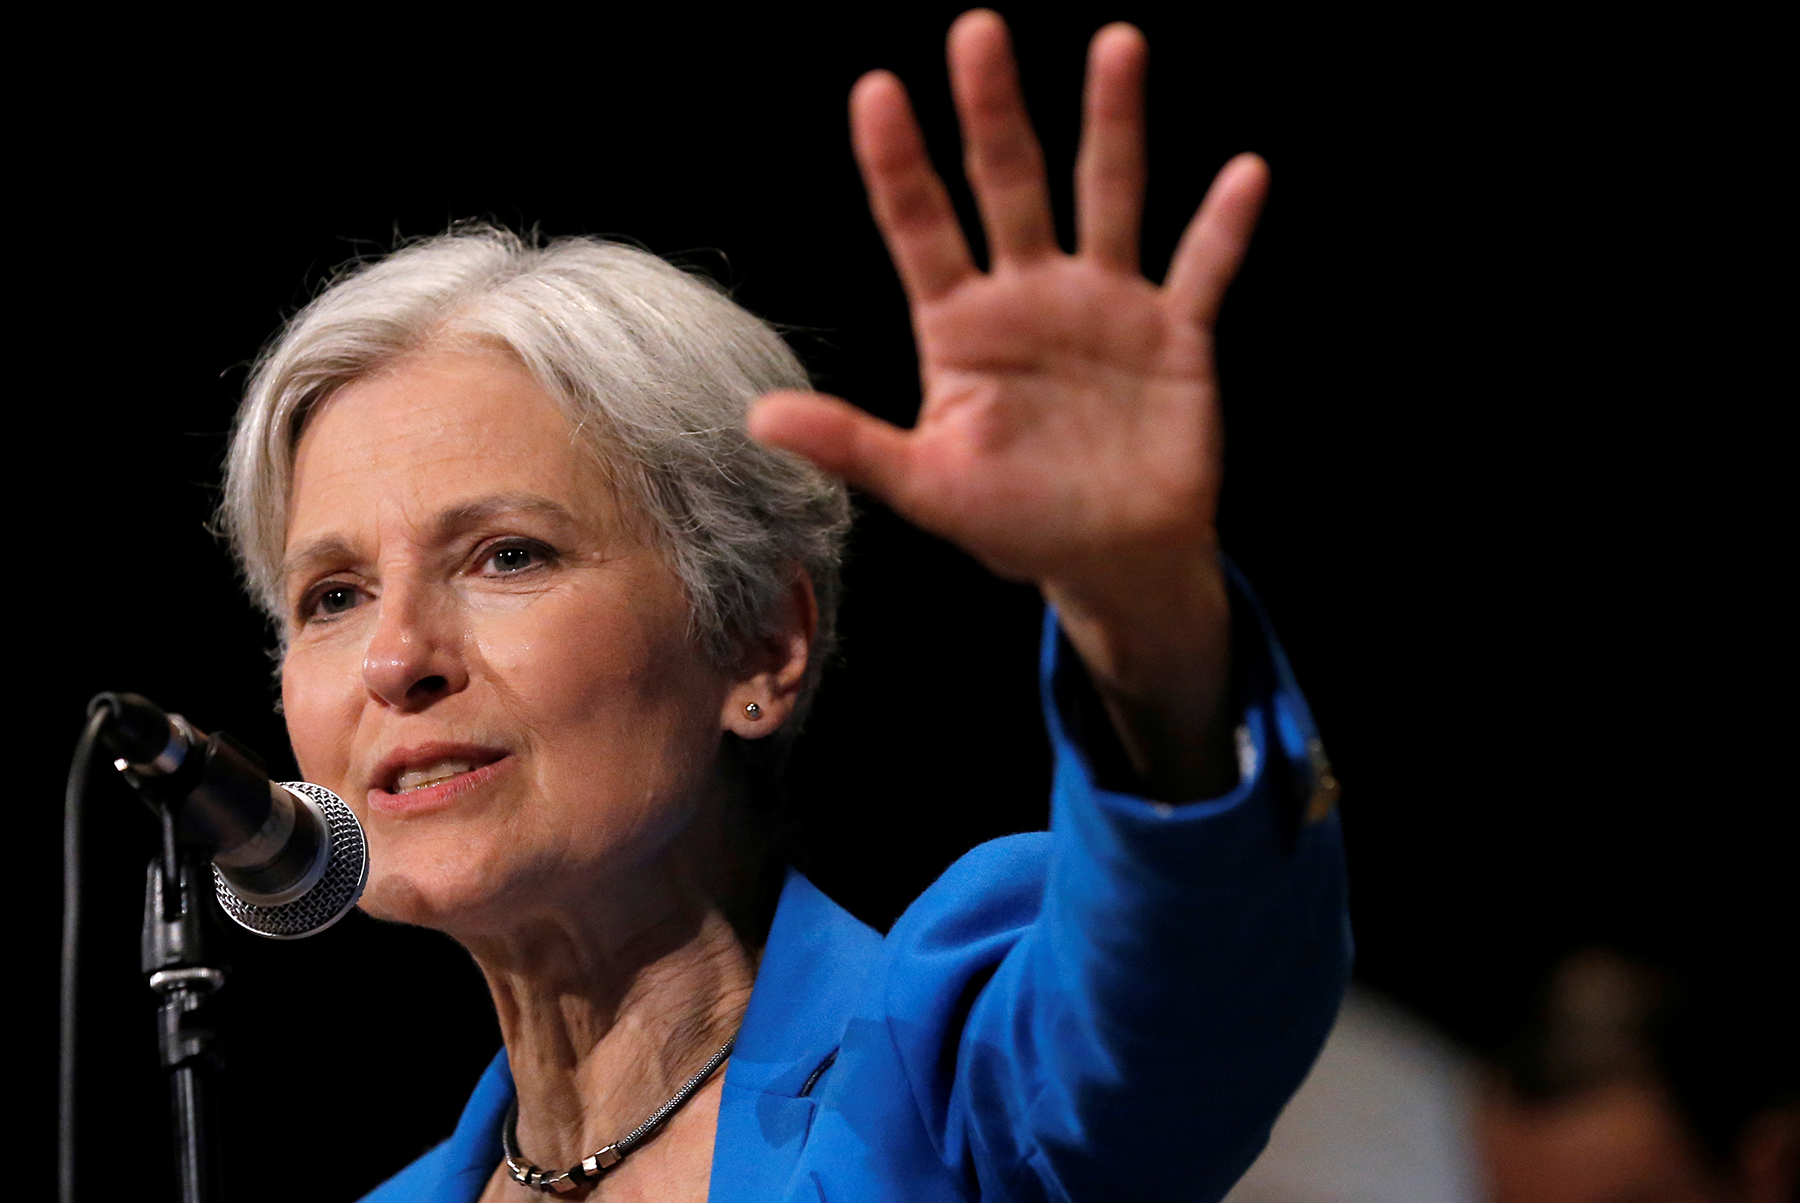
752 711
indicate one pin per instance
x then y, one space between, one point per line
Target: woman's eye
515 558
335 600
329 601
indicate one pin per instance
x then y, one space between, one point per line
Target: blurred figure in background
1386 1116
1628 1082
1639 1084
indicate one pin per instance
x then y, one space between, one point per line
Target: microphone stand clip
173 958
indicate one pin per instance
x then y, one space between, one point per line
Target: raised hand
1070 430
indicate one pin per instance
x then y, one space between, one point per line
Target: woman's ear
763 698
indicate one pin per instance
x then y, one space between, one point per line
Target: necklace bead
591 1167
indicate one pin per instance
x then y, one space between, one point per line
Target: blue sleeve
1172 984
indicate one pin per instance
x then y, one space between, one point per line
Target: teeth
430 774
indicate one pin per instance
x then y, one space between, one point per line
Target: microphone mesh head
334 894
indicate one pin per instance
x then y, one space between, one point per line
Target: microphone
288 858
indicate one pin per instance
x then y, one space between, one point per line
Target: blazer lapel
812 972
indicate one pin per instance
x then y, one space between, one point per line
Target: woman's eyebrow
332 551
328 552
477 511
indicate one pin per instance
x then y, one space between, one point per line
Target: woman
550 615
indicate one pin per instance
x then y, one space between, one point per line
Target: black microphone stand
173 958
296 861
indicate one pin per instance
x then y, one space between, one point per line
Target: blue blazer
1113 1009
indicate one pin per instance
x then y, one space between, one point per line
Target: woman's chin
436 900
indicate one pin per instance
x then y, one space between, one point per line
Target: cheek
553 670
608 686
319 699
578 653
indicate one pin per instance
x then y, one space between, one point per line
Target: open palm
1070 430
1070 411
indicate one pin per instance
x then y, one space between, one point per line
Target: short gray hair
655 367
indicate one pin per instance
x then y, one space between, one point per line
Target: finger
907 197
838 437
1109 172
1000 152
1213 246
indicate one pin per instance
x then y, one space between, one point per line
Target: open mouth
442 770
426 773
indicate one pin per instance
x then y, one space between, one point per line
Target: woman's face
485 662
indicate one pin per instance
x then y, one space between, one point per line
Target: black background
1502 465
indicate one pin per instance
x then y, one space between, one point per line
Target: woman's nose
415 657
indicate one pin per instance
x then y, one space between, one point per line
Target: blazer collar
812 972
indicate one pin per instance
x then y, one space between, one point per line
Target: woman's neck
594 1054
609 1003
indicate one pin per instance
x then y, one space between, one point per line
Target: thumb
838 437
